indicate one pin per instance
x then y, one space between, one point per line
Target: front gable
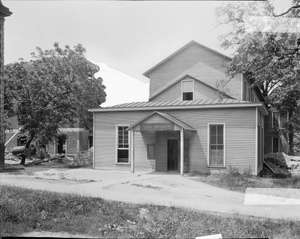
195 60
159 121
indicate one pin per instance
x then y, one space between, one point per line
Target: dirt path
154 188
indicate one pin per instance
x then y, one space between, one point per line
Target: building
69 140
4 12
188 124
275 140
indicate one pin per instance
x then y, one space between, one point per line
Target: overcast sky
128 36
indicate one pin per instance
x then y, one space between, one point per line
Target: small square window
187 89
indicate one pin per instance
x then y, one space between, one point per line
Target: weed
25 210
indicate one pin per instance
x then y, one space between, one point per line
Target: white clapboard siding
240 136
183 61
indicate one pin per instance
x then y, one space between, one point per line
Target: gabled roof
195 72
180 50
4 11
183 105
168 117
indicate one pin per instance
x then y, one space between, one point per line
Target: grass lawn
235 180
25 210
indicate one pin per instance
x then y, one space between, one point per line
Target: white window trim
188 80
208 144
117 141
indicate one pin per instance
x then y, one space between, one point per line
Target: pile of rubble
81 159
280 165
293 164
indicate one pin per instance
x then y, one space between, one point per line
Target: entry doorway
173 155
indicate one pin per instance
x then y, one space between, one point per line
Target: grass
25 210
235 180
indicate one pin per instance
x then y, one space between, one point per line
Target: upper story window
275 119
187 89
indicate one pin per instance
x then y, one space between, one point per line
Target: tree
270 59
52 90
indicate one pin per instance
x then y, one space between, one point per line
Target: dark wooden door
173 154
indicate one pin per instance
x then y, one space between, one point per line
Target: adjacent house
188 124
69 140
275 138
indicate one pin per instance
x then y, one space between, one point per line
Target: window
216 145
122 144
90 141
21 140
244 90
187 88
275 119
275 143
249 94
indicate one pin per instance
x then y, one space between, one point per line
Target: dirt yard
168 189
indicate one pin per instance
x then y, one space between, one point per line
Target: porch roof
166 116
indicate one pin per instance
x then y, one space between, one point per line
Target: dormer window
187 89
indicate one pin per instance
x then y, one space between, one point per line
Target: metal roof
168 117
177 103
183 105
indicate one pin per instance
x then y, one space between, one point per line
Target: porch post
132 150
181 152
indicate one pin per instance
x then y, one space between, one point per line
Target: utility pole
4 12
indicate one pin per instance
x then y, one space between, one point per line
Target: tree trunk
27 146
291 134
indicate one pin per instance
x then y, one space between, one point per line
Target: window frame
278 144
224 145
117 144
187 80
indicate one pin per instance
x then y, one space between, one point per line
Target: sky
126 38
